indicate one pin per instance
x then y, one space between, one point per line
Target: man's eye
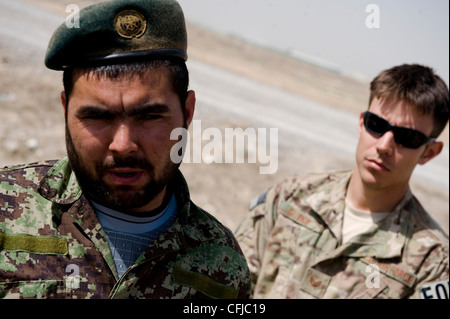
91 117
149 117
97 116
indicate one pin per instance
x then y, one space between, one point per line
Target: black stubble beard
122 197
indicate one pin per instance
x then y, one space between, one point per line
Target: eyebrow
148 108
90 110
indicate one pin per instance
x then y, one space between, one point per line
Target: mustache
120 162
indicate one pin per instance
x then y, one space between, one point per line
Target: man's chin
125 197
118 200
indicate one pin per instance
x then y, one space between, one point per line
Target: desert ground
237 84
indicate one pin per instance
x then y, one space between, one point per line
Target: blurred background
300 66
340 35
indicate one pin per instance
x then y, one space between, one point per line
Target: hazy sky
410 31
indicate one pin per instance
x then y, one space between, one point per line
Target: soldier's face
381 162
118 137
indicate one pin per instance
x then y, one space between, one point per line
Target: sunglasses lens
409 138
374 124
404 136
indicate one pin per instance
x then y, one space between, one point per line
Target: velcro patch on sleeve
204 284
34 244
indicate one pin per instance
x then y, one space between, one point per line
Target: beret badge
130 24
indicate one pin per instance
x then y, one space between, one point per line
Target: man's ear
360 124
431 152
63 101
190 107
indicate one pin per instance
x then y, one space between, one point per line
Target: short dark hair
178 73
420 87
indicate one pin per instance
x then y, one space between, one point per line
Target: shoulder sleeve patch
203 284
257 200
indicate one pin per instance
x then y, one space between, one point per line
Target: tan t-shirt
357 221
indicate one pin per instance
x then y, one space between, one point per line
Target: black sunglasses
404 136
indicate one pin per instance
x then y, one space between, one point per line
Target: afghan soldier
360 233
113 219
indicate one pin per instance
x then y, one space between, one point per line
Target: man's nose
386 143
123 140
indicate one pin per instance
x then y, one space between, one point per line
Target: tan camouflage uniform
292 241
52 245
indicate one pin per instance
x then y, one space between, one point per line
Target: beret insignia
130 24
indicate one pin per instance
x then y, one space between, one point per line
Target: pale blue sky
411 31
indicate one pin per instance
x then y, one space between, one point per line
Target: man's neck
373 199
154 204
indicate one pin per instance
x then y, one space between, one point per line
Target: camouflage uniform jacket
53 246
292 241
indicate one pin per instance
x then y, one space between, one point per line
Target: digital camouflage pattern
53 246
292 240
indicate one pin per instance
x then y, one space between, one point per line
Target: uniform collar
194 222
385 240
331 207
60 184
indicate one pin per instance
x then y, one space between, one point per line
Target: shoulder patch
257 200
203 284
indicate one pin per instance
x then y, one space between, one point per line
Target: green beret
119 31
